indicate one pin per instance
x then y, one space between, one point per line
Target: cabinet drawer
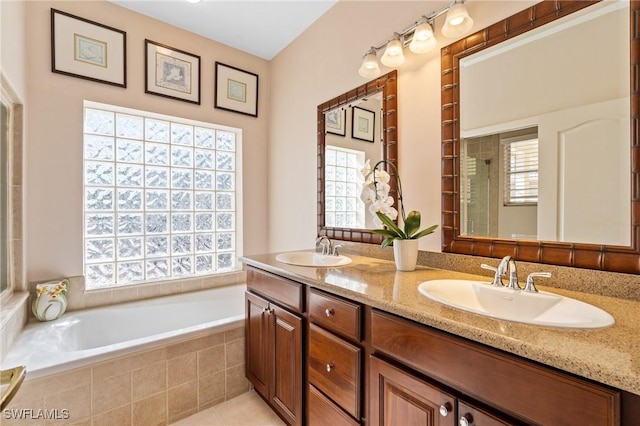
336 314
323 412
476 416
280 290
504 381
335 369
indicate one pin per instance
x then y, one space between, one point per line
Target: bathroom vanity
359 344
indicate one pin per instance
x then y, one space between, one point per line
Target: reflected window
162 197
520 170
343 185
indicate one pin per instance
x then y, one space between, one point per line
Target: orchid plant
375 192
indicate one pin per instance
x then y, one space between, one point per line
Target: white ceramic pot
46 307
405 253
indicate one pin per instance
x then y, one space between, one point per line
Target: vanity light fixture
393 56
419 37
458 21
370 67
424 40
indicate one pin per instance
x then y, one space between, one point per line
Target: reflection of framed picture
236 90
334 121
171 73
87 49
362 124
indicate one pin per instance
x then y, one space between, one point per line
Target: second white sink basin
542 308
308 258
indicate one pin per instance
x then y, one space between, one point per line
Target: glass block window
343 185
161 197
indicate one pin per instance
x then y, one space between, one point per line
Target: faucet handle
496 278
335 250
324 242
530 287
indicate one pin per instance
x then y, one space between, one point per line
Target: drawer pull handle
328 312
329 367
466 420
444 409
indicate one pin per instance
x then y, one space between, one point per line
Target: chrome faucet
500 271
513 276
327 248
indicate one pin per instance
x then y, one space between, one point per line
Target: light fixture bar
457 23
407 34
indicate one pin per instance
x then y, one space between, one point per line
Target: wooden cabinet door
399 398
286 349
257 340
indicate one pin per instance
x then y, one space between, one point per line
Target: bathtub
87 336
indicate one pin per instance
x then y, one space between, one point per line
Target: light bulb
458 22
393 56
423 39
370 67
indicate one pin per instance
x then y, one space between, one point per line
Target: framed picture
236 90
86 49
334 121
362 124
171 73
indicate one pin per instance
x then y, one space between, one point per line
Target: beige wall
12 52
54 123
279 146
322 63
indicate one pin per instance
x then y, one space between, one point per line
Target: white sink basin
542 308
307 258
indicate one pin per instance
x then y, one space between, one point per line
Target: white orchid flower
382 189
366 169
381 176
368 195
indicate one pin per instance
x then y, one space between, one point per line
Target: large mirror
355 127
537 136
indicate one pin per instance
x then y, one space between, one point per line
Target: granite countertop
610 355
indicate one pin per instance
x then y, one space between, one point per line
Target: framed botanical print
87 49
362 124
334 121
236 90
171 72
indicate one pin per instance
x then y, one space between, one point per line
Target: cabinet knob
444 409
466 420
328 312
329 367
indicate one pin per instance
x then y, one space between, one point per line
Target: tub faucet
327 247
500 271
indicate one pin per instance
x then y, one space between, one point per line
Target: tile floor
247 409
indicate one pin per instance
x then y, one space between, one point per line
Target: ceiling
259 27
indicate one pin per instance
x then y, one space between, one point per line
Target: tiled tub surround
608 356
151 387
13 318
16 311
82 337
